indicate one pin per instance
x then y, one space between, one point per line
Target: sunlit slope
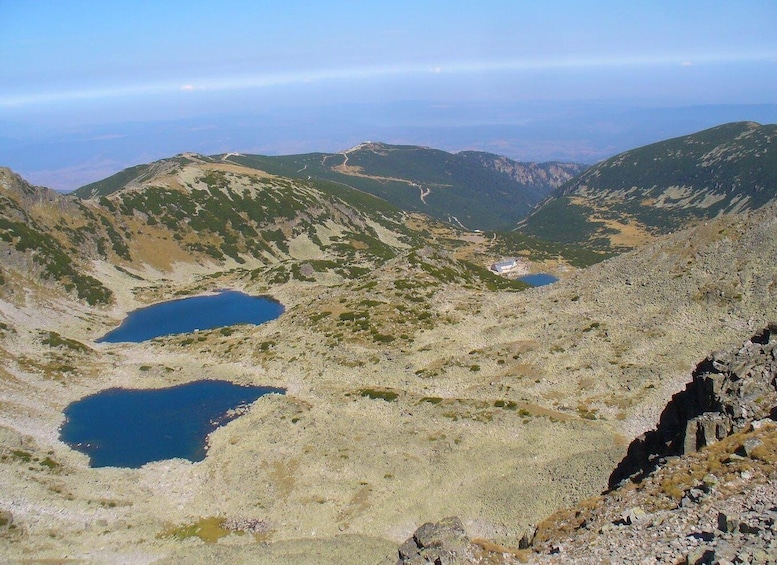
472 189
47 239
199 211
625 200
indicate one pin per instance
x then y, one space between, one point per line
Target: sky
91 87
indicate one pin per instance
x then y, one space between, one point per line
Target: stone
443 543
725 552
710 480
727 391
527 538
700 556
696 494
748 529
750 446
728 522
761 557
758 424
633 515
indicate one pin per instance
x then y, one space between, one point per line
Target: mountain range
419 384
625 200
473 189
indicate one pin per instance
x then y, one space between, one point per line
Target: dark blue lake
539 279
129 428
226 308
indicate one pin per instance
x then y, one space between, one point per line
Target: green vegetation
113 183
53 339
49 463
469 186
27 458
209 530
379 394
119 247
509 405
576 254
442 269
23 456
663 187
54 260
431 399
126 272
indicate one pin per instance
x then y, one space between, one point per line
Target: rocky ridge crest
728 391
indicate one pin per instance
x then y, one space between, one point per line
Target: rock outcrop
689 505
728 391
442 543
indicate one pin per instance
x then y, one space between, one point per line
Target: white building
504 266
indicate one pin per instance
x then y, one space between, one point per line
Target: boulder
441 543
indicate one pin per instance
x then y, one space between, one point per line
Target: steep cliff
728 391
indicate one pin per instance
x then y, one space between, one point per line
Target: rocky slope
625 200
417 387
46 239
714 500
727 393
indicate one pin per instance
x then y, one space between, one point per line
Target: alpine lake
538 279
129 428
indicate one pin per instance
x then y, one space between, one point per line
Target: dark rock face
441 543
728 391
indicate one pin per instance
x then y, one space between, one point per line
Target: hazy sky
70 63
61 51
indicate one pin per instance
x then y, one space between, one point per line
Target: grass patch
53 339
507 405
432 399
378 394
23 456
209 530
50 463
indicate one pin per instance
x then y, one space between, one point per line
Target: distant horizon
67 160
89 89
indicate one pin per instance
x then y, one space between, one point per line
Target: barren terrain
503 408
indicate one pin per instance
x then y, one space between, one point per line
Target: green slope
475 190
472 189
663 187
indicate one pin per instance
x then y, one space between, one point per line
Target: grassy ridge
664 186
463 186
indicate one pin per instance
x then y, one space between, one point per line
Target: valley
419 384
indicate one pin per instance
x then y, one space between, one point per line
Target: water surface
539 279
226 308
129 428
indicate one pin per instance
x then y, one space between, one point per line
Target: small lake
539 279
129 428
226 308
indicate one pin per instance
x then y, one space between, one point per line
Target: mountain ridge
474 189
418 385
662 187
